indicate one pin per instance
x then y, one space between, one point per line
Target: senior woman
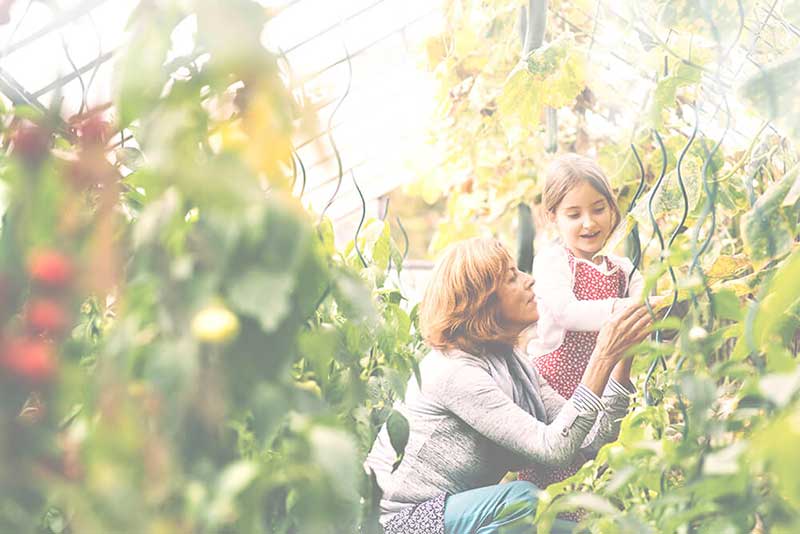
482 410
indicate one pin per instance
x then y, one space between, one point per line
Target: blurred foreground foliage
183 348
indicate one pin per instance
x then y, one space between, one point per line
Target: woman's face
517 306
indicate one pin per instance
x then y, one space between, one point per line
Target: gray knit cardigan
472 420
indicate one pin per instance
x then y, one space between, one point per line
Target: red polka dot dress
563 368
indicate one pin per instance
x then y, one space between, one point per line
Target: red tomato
31 359
31 143
50 268
46 315
94 131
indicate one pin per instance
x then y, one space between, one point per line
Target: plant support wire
330 134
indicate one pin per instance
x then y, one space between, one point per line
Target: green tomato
215 324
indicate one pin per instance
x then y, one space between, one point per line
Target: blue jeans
481 511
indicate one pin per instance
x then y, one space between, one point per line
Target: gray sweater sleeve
616 399
472 395
606 427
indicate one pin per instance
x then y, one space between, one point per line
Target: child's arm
636 285
553 288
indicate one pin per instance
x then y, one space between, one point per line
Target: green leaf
354 298
270 406
782 294
553 75
772 91
780 387
336 454
141 76
319 346
398 428
155 217
264 296
766 232
381 249
236 477
775 446
727 305
587 501
682 75
325 231
55 521
724 461
231 482
520 98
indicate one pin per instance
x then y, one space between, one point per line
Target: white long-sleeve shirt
560 311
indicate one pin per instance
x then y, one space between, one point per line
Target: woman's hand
623 331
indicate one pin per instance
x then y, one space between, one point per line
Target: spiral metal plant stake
709 208
361 222
96 68
384 216
659 235
681 403
296 159
330 133
77 72
637 245
668 245
711 188
405 237
328 288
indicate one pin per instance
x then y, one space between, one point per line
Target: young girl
576 289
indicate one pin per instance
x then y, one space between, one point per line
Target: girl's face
516 303
584 220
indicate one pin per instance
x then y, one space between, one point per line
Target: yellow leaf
434 50
269 149
728 266
466 41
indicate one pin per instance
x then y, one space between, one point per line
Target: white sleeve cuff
586 401
615 388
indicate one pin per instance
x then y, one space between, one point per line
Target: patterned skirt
423 518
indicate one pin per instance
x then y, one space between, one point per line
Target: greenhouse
399 267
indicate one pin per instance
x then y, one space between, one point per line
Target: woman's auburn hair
460 307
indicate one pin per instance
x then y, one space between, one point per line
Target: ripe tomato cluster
31 355
31 143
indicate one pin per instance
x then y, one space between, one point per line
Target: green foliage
773 92
231 370
768 230
552 75
711 452
225 368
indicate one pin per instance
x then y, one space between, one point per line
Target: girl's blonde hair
460 307
570 170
